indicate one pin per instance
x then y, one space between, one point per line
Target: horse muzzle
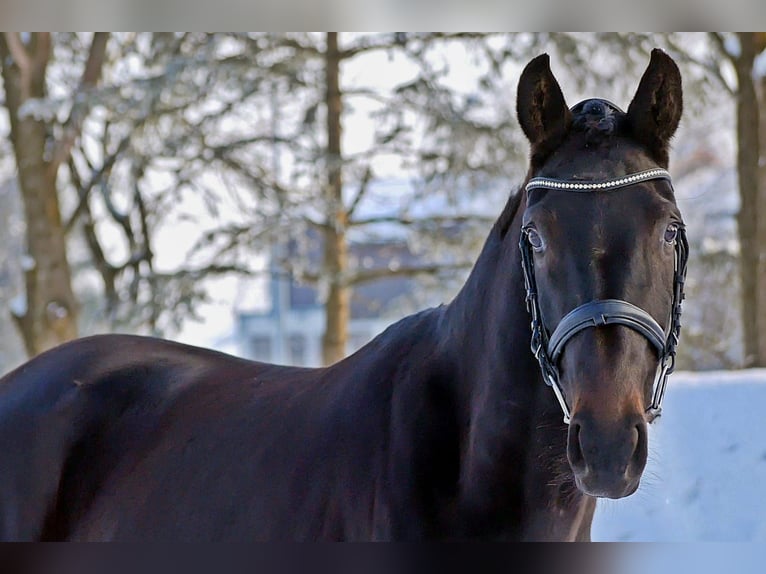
607 458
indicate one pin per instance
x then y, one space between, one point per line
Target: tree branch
143 218
107 270
89 79
400 40
95 64
96 179
363 187
760 41
23 62
435 220
315 224
288 42
365 276
212 269
18 52
711 67
42 50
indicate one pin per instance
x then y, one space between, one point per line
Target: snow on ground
706 476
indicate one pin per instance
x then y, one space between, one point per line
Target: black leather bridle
547 348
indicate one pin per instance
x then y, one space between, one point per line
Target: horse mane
598 119
510 210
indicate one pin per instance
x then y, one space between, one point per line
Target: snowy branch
90 77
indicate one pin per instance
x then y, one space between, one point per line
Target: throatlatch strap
605 312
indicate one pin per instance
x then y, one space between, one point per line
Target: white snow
27 262
732 46
18 305
46 109
759 66
707 466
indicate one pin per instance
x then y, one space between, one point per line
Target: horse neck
511 417
487 323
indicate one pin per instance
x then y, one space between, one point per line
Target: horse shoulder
423 441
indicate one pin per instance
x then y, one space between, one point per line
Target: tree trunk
335 264
748 143
50 317
761 232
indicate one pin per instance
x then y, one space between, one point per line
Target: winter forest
157 183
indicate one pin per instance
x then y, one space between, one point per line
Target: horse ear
541 109
655 111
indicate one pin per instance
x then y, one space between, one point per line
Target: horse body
440 428
118 437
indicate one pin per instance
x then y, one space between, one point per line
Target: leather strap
605 312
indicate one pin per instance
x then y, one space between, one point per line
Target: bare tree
51 310
444 139
148 130
742 51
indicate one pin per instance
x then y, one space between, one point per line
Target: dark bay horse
442 426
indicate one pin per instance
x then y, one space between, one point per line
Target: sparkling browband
609 184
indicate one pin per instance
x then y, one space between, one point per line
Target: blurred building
288 329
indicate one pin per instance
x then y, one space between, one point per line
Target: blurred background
284 197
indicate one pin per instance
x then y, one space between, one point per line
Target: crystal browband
609 184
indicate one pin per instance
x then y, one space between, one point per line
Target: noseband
548 348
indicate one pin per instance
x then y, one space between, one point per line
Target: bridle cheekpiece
547 348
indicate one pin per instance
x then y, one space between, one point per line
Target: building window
296 346
260 347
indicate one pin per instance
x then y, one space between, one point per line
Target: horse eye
534 239
671 233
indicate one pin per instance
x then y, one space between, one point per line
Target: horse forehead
598 218
600 214
581 159
597 224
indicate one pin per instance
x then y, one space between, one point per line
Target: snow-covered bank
706 477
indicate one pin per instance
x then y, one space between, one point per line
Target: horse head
604 254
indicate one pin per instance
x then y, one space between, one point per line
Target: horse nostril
574 448
640 450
